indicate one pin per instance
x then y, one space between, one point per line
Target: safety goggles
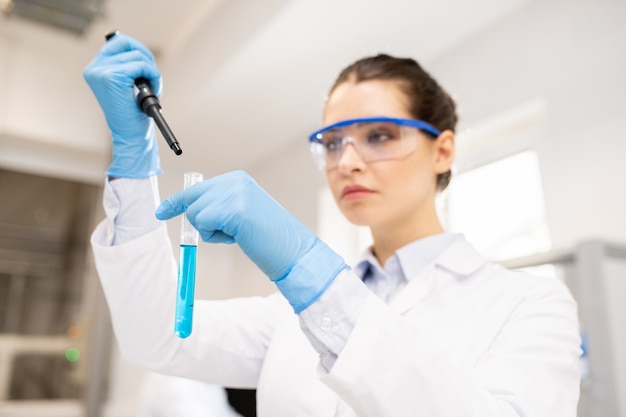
373 138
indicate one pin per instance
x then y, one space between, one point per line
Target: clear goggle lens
374 139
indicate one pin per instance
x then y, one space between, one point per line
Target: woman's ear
444 151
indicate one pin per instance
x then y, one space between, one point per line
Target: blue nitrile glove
233 208
111 76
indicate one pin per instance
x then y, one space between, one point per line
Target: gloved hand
233 208
111 76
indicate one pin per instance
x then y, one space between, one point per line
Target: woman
423 325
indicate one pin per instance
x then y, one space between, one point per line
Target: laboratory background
538 183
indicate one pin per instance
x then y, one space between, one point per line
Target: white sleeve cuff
129 203
329 321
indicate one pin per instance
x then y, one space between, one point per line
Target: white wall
49 121
571 55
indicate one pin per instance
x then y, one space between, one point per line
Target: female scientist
422 326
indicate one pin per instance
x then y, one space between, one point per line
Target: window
500 207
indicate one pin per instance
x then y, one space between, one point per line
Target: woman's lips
354 192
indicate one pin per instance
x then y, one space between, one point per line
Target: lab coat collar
414 257
418 255
460 259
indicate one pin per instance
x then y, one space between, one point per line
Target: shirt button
327 323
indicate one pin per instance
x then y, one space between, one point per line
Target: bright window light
499 207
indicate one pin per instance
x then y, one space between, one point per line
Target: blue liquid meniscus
185 290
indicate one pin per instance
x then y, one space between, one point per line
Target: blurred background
538 183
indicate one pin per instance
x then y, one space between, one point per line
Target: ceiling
244 78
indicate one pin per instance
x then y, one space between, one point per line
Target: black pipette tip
176 148
149 103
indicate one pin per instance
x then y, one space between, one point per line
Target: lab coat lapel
415 291
459 260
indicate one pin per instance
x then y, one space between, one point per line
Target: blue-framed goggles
373 138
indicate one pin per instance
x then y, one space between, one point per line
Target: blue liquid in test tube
186 269
185 291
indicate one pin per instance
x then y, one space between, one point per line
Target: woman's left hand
233 208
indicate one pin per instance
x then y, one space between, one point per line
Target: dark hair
427 100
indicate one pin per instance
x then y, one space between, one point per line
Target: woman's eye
379 137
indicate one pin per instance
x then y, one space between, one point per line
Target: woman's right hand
111 76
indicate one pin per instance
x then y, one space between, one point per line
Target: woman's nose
350 159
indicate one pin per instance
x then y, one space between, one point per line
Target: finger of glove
209 206
114 92
217 187
171 207
121 71
184 202
220 203
210 215
122 43
178 203
122 48
219 237
122 57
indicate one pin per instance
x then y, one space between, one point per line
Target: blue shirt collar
413 257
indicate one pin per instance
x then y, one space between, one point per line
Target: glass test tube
186 269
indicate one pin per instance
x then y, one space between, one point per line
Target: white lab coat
171 396
464 338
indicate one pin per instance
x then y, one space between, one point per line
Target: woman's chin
358 218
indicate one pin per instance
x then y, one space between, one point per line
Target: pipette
149 103
186 268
